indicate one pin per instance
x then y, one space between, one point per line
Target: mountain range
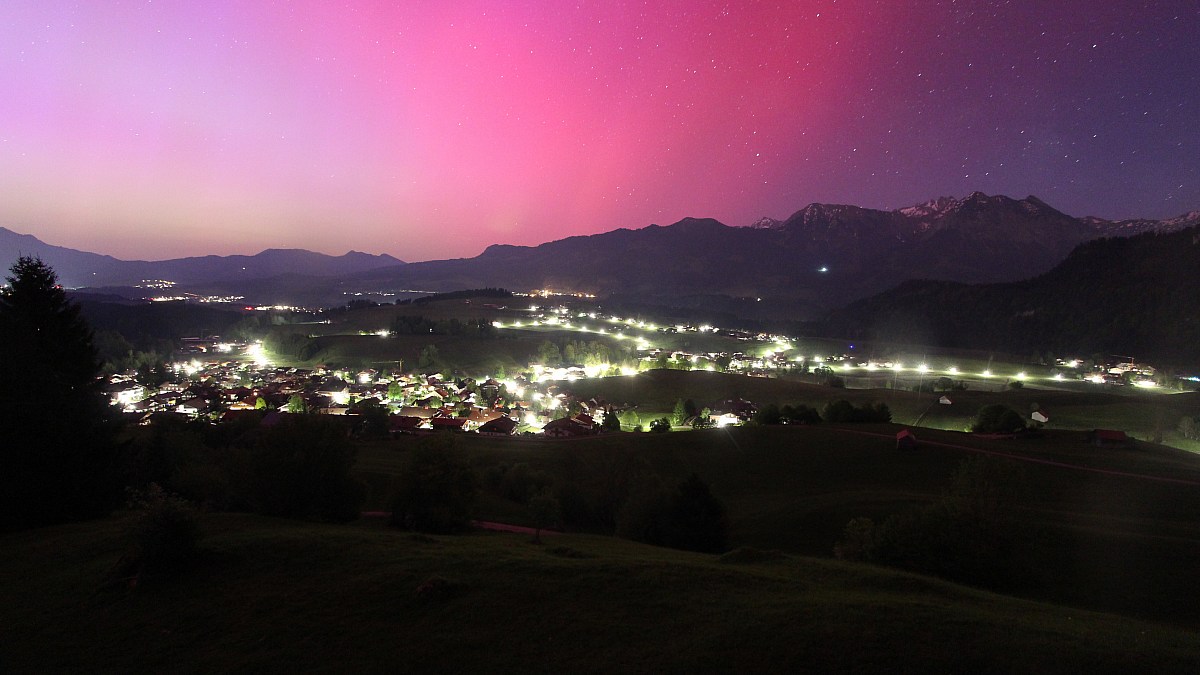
820 258
77 269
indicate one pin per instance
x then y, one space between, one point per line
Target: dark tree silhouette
437 490
697 518
58 461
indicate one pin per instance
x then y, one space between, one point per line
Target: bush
857 542
660 425
845 412
166 532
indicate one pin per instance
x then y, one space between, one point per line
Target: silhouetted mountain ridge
81 268
1114 295
820 257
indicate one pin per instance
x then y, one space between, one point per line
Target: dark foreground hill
1135 296
281 596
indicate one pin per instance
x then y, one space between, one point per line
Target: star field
432 129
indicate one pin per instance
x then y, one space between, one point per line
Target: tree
58 460
697 518
689 408
1189 428
768 414
679 415
545 512
300 468
660 425
436 492
296 404
610 421
374 418
549 354
997 418
428 357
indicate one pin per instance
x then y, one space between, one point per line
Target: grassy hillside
1097 537
280 596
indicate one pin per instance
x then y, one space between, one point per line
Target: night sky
431 129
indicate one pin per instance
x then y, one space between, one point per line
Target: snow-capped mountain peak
766 223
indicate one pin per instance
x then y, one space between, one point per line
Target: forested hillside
1132 296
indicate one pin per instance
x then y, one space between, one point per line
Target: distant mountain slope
822 256
1134 296
80 268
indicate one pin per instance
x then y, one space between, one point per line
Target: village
222 380
240 383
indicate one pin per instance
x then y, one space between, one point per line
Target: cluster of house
414 403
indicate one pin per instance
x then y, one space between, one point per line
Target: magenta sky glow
432 129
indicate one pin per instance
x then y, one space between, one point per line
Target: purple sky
432 129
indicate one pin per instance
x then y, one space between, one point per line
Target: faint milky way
431 129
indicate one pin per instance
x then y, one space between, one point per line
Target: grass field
282 596
1124 543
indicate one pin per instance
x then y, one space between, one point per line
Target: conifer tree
58 461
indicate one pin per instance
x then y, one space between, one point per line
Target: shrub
166 532
857 542
845 412
437 588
